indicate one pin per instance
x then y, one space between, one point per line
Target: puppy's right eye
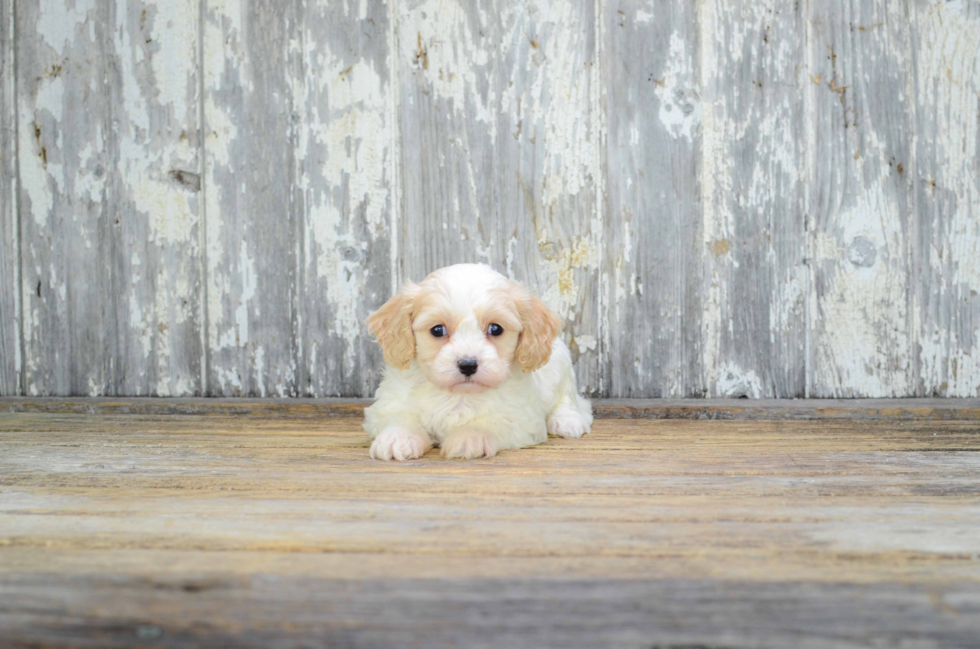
438 331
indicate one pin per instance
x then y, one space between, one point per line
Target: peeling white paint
751 182
344 106
718 222
948 90
156 56
174 53
863 305
563 292
230 273
730 381
442 43
680 101
40 144
260 370
567 130
344 152
34 174
246 266
58 21
586 343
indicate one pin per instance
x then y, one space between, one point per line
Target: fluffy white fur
523 388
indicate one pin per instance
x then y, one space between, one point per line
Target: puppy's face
466 326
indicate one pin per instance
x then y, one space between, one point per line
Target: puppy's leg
469 444
567 420
570 414
400 443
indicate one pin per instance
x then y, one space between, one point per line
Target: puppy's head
466 326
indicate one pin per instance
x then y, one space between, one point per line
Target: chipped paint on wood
725 198
946 185
10 319
297 185
253 217
107 96
65 327
344 157
859 196
499 160
156 194
653 232
752 183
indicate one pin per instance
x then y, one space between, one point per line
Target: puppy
473 365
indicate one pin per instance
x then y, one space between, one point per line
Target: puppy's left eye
495 329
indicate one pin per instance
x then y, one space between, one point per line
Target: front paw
469 445
398 443
566 422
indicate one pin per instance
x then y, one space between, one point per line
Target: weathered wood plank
108 160
755 277
859 198
489 612
191 531
252 62
344 157
722 409
65 227
676 280
946 265
814 490
298 195
154 193
499 151
10 360
653 226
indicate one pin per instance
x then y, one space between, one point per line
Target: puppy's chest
495 414
450 414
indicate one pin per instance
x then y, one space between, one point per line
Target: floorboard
210 527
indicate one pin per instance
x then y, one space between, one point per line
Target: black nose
467 366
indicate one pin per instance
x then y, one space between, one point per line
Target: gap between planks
721 409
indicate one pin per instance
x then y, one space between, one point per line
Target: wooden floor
260 529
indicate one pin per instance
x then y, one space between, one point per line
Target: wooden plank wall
723 198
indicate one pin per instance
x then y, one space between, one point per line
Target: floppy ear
392 326
541 327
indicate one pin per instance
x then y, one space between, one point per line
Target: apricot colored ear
392 326
541 327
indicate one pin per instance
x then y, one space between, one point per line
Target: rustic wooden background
762 198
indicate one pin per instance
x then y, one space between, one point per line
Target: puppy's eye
495 329
438 331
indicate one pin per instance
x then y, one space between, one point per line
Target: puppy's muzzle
467 366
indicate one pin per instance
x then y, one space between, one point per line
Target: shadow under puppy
473 364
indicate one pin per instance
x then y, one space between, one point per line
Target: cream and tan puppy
473 365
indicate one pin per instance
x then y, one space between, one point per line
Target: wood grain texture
10 360
859 198
298 195
261 531
723 199
108 158
485 612
65 225
946 262
754 243
499 151
345 158
653 225
252 61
